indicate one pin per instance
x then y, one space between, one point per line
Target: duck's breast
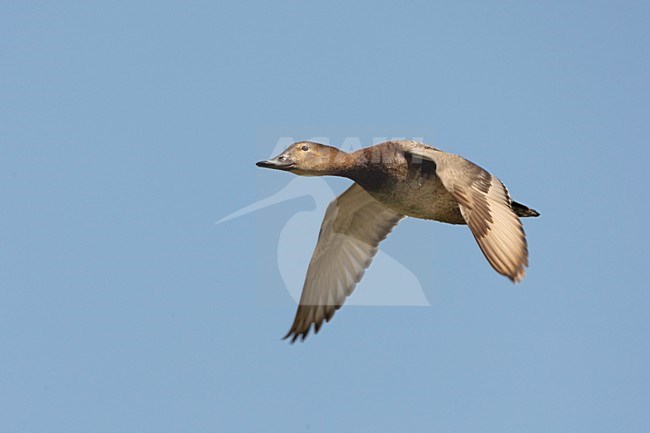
412 189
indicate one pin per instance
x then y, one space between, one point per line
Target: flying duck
393 180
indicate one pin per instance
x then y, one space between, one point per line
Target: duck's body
393 180
406 186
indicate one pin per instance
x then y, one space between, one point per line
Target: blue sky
127 129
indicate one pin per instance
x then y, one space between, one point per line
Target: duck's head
307 159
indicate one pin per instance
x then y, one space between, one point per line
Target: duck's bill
276 164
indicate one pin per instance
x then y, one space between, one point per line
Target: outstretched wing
486 207
354 225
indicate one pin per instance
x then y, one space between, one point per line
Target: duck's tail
523 211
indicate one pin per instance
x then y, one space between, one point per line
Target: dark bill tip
275 163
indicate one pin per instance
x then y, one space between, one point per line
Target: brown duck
393 180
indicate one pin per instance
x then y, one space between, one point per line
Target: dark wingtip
289 334
295 335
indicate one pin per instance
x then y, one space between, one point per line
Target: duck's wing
354 225
486 207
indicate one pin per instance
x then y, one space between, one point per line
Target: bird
393 180
293 249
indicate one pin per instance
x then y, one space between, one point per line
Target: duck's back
406 185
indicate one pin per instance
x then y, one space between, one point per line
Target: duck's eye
305 148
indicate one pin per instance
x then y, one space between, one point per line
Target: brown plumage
393 180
